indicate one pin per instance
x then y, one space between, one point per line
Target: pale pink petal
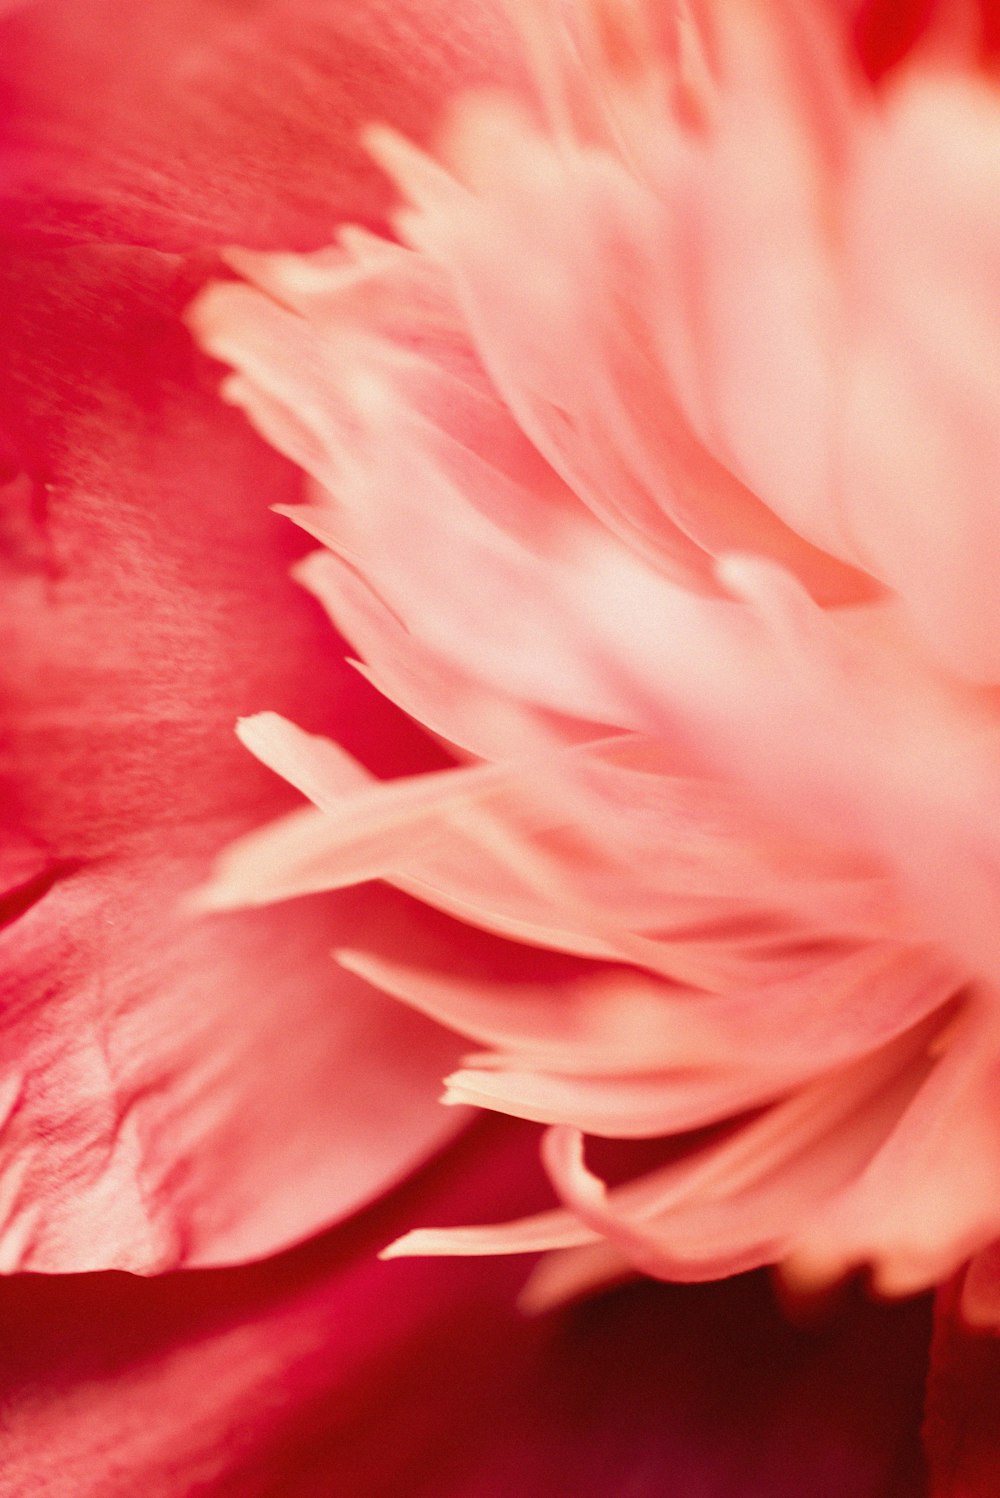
606 1020
928 1200
920 432
630 454
754 339
545 1231
744 1200
738 1201
451 704
599 460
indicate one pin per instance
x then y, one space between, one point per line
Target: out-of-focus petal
920 434
740 1199
184 124
962 1425
644 456
931 1187
416 499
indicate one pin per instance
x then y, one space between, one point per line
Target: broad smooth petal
325 1372
178 1091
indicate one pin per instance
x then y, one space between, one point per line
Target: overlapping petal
624 482
705 833
177 1091
160 125
325 1371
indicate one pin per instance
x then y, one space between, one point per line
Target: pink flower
183 1093
655 477
654 472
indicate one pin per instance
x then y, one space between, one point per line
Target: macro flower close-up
501 749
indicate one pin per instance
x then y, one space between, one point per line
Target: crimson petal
179 123
176 1092
324 1372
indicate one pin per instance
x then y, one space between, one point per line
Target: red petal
178 1092
325 1372
178 123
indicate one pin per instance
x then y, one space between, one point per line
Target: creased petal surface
175 1092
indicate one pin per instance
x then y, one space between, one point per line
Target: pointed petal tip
206 315
417 175
427 1243
400 1248
214 897
364 965
462 1089
390 148
253 728
196 902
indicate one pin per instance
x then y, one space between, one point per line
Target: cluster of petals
653 469
211 1094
